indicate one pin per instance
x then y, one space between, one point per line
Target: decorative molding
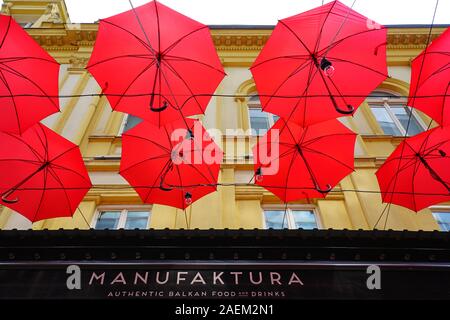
84 35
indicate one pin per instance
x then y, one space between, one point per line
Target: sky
267 12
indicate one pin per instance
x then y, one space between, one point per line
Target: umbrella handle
6 195
350 109
159 109
328 188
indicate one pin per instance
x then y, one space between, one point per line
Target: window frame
124 210
440 209
124 123
289 216
387 104
257 106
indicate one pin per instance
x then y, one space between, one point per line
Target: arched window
260 121
393 115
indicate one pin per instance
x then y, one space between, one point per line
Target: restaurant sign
197 280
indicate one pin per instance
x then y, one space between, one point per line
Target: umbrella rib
296 36
328 156
401 168
179 58
36 154
416 169
169 48
319 37
151 141
143 161
16 59
58 180
311 76
3 79
158 176
182 188
21 75
293 73
291 164
436 72
358 65
6 32
307 143
132 82
55 166
146 46
42 195
137 56
443 104
336 43
184 82
157 24
293 57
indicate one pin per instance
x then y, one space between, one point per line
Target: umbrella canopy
42 175
416 175
320 64
156 63
28 79
430 80
171 165
294 162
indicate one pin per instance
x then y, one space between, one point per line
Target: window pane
274 219
304 219
137 220
386 123
443 220
131 122
108 220
403 113
259 120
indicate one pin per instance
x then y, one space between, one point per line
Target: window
129 122
260 121
122 219
290 218
393 115
443 219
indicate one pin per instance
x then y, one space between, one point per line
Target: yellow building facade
89 122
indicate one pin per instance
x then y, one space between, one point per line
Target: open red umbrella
294 162
28 79
417 174
430 80
171 165
156 63
320 64
42 175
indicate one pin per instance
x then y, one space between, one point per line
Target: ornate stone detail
78 62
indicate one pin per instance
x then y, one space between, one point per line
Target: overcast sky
268 11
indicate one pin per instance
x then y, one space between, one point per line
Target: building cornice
235 46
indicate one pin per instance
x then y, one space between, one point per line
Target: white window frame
257 105
123 213
440 209
387 103
289 216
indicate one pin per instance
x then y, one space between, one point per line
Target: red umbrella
416 175
430 80
42 175
167 70
294 162
28 79
170 165
320 64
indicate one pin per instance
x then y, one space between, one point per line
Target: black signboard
206 280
